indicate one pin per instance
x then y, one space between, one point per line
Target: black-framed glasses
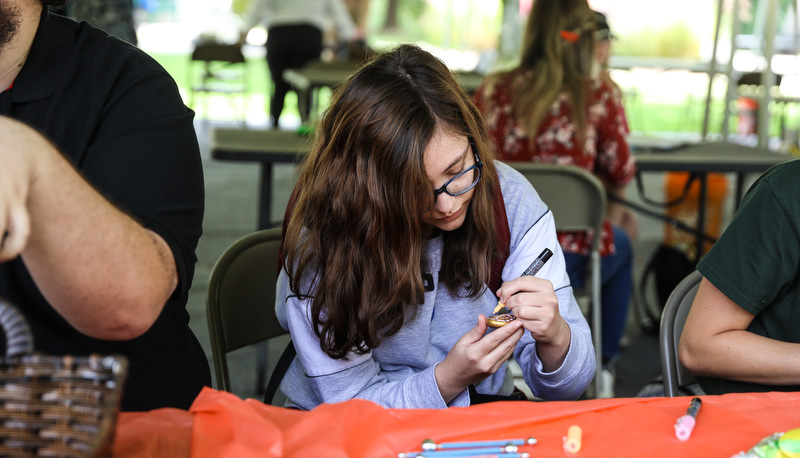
461 183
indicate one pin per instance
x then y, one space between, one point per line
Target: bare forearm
715 342
744 356
105 273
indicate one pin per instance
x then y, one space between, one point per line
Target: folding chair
577 199
240 303
224 71
675 375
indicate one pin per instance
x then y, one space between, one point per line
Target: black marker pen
530 271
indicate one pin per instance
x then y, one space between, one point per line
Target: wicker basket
55 406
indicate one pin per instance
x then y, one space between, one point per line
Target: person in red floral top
530 115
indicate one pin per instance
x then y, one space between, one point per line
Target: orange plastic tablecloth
219 424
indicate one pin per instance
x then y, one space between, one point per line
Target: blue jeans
616 278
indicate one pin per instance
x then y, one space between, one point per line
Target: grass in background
221 107
646 112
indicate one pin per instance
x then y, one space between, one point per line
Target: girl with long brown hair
550 109
388 252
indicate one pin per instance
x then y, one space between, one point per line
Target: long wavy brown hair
355 238
554 63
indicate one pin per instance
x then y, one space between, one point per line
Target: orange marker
572 441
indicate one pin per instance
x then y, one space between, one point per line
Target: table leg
264 222
303 105
701 216
261 367
265 197
314 103
739 189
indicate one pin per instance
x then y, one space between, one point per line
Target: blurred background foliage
675 40
467 33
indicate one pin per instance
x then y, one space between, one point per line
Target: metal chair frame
578 201
224 72
673 318
240 302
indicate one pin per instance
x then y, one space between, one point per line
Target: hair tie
570 36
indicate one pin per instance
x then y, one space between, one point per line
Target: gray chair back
577 199
240 303
673 318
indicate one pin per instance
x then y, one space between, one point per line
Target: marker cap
572 441
684 427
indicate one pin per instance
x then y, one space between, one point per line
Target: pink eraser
684 427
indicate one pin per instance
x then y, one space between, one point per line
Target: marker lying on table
685 424
429 444
507 448
506 451
530 271
464 454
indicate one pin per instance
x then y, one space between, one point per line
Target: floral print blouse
605 151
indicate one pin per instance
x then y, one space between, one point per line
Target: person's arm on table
99 268
715 342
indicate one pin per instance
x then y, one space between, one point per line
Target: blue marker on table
462 452
429 444
507 448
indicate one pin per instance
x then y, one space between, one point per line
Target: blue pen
437 454
429 444
505 452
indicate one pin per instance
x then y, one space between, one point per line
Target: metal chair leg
261 367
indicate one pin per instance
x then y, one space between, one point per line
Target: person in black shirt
101 201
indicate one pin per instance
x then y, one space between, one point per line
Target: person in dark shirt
101 201
741 334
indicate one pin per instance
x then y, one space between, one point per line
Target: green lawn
220 107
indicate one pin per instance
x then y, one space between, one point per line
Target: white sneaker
605 384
